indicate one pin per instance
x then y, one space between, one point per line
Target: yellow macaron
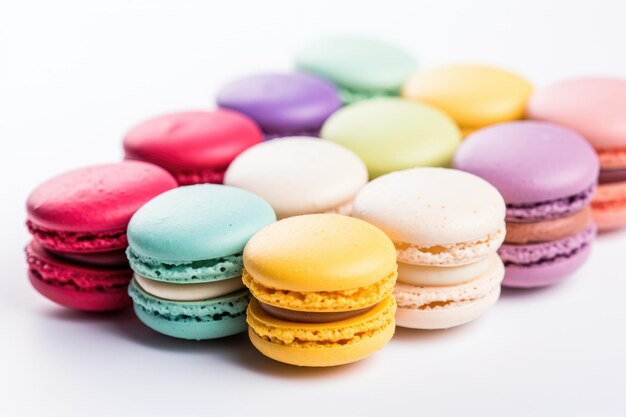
323 286
475 96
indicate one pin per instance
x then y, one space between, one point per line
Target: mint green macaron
185 248
392 134
360 67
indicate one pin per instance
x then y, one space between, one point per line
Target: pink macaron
78 222
596 108
195 147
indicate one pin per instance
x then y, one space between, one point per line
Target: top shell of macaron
595 107
391 134
431 206
97 198
282 102
473 95
530 162
357 63
299 175
192 140
319 252
197 222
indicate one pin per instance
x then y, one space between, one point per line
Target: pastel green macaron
360 67
185 248
391 134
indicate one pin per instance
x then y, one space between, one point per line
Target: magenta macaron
547 175
283 104
196 147
78 223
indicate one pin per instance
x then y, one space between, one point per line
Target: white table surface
74 76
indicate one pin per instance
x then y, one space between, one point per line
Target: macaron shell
391 134
359 337
431 206
299 175
474 96
319 252
192 143
192 320
550 161
423 275
188 292
359 64
609 206
197 222
98 198
282 102
593 106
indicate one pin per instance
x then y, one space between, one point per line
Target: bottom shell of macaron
192 320
322 344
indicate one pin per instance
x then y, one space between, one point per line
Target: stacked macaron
322 288
547 175
195 147
300 175
78 222
282 104
446 226
185 248
595 107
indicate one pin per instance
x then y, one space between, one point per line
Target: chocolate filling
310 317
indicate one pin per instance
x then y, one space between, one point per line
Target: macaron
391 134
78 222
547 175
475 96
283 104
185 248
322 288
446 226
361 67
595 107
196 147
300 175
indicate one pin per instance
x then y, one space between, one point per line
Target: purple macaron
282 104
547 175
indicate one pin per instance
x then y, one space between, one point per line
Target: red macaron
195 147
78 221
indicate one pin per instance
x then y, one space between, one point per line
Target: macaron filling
440 297
548 230
310 316
226 307
186 272
274 133
548 252
450 254
199 176
65 241
551 209
321 301
311 335
612 175
439 276
188 292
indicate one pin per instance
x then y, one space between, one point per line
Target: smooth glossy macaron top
197 222
391 134
595 107
319 252
363 66
473 95
97 198
299 175
529 161
431 206
282 102
192 140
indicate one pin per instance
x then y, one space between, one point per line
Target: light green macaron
391 134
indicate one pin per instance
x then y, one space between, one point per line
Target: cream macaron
446 226
300 175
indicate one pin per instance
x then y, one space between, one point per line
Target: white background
74 76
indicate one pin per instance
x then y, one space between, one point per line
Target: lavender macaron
289 104
547 175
